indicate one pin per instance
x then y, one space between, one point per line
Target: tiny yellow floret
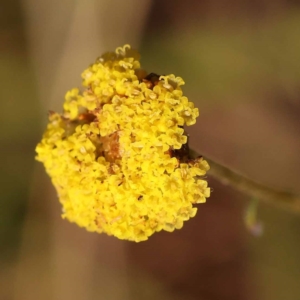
116 153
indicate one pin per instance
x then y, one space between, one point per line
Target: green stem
281 199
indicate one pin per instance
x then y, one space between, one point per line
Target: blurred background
241 64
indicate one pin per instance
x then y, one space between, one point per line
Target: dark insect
151 80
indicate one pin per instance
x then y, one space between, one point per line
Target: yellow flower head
118 154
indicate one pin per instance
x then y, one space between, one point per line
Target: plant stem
281 199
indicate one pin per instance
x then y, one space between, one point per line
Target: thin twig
282 199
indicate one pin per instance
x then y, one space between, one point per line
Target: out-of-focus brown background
241 64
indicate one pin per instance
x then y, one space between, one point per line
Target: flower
117 155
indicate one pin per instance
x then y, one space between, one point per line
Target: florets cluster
111 154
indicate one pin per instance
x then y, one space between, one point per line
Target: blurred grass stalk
61 45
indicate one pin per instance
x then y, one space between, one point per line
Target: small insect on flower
118 153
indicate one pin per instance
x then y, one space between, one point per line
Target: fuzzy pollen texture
111 154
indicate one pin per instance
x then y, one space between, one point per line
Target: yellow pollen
115 153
